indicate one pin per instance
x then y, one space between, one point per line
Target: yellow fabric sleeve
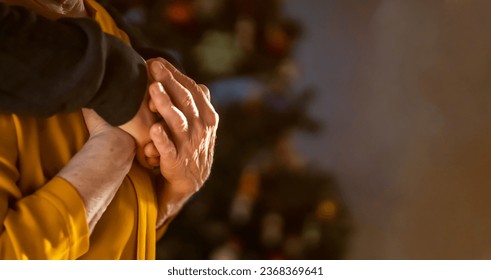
47 224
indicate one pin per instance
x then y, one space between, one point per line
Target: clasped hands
175 129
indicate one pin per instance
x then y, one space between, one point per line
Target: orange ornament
179 12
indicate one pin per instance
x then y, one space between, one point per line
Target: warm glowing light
326 210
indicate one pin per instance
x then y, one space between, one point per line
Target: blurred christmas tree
261 201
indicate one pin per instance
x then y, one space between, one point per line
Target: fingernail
157 67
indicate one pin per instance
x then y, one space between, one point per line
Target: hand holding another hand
184 138
175 128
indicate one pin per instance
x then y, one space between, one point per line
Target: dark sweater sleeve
49 66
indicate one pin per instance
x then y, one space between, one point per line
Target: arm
99 168
69 63
55 221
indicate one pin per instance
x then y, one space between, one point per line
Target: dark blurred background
349 129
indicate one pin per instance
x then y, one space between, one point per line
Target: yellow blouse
43 216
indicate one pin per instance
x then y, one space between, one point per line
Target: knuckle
180 122
187 100
192 83
181 126
172 151
163 75
167 150
214 119
204 89
186 107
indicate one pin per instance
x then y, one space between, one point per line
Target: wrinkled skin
184 139
181 142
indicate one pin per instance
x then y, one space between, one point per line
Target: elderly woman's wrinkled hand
185 137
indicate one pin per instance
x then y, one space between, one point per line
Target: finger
174 118
153 161
176 74
200 93
88 118
205 90
179 94
150 150
93 121
210 116
152 106
164 145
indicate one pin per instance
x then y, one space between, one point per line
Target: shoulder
107 23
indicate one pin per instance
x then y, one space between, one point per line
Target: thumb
93 121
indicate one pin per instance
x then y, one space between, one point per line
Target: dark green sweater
47 67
